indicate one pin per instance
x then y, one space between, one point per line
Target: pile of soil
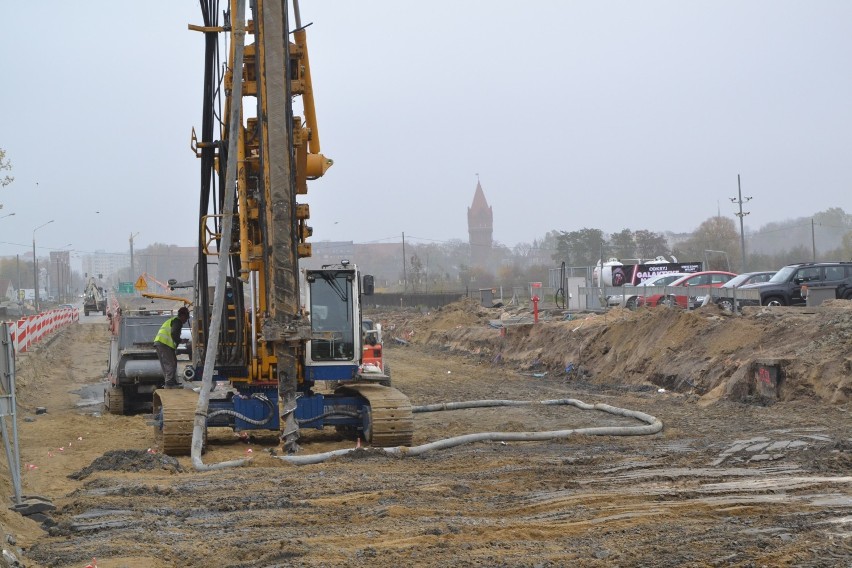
706 352
129 460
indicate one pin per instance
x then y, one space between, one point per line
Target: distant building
329 252
382 260
103 265
673 240
163 262
480 229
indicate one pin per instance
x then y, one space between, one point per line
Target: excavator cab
334 350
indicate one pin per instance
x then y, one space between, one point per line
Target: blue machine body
313 410
332 354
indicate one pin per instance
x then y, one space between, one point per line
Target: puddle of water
90 395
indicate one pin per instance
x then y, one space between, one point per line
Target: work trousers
168 361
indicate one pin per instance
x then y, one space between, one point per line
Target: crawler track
391 420
114 400
174 413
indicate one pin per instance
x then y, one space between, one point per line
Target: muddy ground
749 469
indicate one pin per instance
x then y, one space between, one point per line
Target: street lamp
35 265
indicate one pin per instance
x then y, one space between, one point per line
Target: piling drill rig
279 331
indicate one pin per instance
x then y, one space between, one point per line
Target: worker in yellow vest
166 344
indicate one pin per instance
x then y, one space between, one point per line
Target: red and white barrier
30 330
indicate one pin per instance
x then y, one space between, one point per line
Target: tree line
716 242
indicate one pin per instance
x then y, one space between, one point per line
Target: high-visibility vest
164 336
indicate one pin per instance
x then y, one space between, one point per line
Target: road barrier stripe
30 330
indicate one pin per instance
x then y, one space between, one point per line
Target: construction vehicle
94 297
266 335
133 371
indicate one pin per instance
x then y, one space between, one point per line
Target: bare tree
622 244
650 244
522 250
5 164
718 234
580 248
417 273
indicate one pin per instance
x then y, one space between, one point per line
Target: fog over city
571 114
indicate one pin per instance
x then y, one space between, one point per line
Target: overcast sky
606 115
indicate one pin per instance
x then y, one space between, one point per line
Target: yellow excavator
266 333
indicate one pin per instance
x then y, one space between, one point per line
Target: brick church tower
480 227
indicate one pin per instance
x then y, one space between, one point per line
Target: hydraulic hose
652 426
261 397
329 415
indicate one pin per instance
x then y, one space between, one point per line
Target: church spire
480 227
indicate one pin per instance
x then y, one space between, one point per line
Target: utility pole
404 273
132 268
741 214
813 239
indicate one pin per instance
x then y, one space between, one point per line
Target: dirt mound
129 460
706 352
414 325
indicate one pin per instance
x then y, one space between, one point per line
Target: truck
94 297
267 334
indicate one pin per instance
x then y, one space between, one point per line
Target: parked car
708 278
785 288
631 292
739 281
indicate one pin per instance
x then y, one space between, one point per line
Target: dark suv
785 288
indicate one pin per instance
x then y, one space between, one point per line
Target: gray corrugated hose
200 423
652 426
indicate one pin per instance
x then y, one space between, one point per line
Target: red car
708 279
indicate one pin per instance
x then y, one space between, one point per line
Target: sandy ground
737 477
